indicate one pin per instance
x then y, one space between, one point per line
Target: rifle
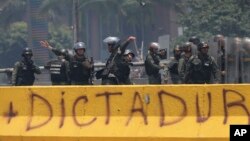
91 78
106 70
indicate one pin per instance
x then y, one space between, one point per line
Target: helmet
218 37
127 51
79 45
153 45
195 40
177 48
246 44
202 45
111 40
187 47
27 51
64 52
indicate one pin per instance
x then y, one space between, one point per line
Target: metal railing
6 74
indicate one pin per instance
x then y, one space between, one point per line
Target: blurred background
23 23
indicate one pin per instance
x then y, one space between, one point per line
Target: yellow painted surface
122 113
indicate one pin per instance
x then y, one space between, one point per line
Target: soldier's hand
131 38
45 44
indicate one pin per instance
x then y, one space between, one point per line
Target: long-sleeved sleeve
181 69
14 73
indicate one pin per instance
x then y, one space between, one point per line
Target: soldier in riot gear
24 70
59 69
163 62
173 66
80 66
123 66
152 64
195 40
116 49
202 68
221 56
187 50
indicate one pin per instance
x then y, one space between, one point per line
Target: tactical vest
78 73
25 74
201 71
149 70
173 67
58 71
123 71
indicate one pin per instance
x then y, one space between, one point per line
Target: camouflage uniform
187 49
152 64
110 71
123 69
24 70
173 66
80 66
201 68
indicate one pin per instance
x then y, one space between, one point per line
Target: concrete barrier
122 113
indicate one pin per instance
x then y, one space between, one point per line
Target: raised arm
125 43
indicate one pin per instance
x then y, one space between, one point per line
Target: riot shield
245 60
215 50
232 47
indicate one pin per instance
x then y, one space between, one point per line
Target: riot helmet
64 52
127 52
187 47
195 40
154 47
111 41
177 52
27 52
202 45
177 48
79 45
80 48
128 55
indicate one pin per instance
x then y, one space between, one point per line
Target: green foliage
60 36
15 36
205 18
12 11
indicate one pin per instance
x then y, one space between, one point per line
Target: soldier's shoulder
149 56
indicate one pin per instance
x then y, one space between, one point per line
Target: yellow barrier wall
140 112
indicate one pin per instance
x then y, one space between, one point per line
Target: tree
60 36
210 17
15 37
12 11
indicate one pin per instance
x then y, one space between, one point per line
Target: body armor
25 75
58 71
